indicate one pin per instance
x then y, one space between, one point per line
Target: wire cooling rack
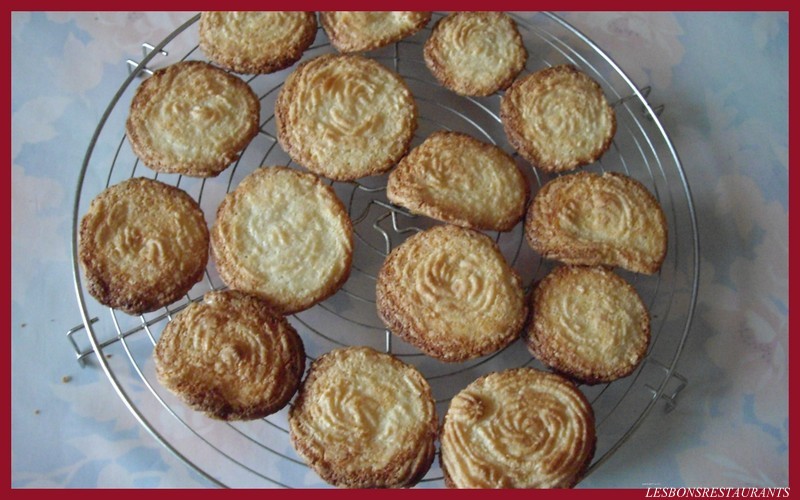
258 453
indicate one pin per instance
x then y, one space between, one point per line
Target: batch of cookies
282 242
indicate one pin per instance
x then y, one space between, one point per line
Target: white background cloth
723 78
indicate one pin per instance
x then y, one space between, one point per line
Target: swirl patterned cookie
230 357
142 245
519 428
345 116
588 323
284 236
192 118
364 419
449 292
475 53
558 118
458 179
256 42
593 219
352 31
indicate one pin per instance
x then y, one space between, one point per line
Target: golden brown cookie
345 116
231 357
143 245
458 179
519 428
256 42
558 118
364 419
588 323
449 292
475 53
192 118
284 236
593 219
361 31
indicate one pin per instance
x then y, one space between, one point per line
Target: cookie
230 357
142 245
192 118
283 236
256 42
519 428
364 419
598 219
588 323
449 292
352 31
455 178
558 118
475 53
345 116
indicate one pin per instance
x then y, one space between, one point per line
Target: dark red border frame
687 5
705 5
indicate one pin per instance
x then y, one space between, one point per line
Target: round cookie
588 323
519 428
449 292
345 116
359 31
256 42
558 118
230 357
455 178
284 236
364 419
593 219
192 118
142 245
475 53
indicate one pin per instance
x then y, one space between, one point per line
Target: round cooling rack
258 453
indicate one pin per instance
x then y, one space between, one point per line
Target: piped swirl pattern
456 178
192 118
143 244
357 31
520 428
475 53
285 236
345 116
256 42
589 323
364 419
558 118
231 357
450 292
593 219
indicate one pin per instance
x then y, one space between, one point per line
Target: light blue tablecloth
723 78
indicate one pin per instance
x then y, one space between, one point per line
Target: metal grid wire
258 453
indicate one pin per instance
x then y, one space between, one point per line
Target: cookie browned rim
598 219
143 244
518 428
449 292
284 236
192 118
588 323
351 31
475 53
231 357
458 179
345 116
558 118
256 42
364 419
